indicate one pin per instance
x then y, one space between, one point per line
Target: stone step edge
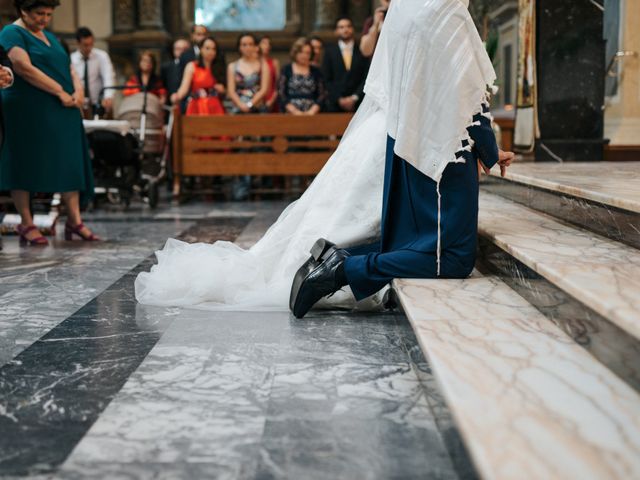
559 188
547 271
497 410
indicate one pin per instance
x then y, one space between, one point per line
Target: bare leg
21 201
72 201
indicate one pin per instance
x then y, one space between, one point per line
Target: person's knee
456 267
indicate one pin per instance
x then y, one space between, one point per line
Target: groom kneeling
429 218
409 244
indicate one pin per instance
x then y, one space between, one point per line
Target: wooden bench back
273 144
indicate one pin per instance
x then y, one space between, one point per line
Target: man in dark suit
345 69
198 34
170 72
6 80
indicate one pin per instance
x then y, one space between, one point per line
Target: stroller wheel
153 194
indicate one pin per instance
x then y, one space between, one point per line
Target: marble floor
94 385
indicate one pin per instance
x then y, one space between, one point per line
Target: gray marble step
529 402
601 197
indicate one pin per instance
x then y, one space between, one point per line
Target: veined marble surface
195 394
612 183
601 273
530 403
262 395
40 287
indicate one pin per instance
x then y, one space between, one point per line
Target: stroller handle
98 109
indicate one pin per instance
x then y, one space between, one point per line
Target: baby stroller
146 114
129 153
116 159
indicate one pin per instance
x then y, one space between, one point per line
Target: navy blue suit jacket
410 205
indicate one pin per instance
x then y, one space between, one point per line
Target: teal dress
45 148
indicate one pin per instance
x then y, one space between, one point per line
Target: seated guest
248 79
274 73
171 71
344 69
318 51
200 80
302 90
146 77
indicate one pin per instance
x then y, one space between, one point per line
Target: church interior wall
622 116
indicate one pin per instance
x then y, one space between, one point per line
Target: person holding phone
372 28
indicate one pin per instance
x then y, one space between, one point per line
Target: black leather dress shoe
319 283
319 253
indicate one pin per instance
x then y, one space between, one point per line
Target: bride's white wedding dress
343 204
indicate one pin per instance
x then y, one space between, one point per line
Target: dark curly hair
26 5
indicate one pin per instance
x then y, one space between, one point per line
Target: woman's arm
321 92
185 85
265 83
78 88
368 42
231 88
220 88
22 66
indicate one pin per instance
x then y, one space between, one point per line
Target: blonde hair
297 47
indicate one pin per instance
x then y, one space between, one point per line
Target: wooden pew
273 144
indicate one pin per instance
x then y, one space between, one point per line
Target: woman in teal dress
45 148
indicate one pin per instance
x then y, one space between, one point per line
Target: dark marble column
150 14
570 62
124 16
326 13
294 15
359 10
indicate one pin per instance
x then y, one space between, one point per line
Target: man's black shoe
319 252
319 283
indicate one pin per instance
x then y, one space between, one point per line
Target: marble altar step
587 284
530 403
601 197
597 271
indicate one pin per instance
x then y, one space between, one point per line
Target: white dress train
343 204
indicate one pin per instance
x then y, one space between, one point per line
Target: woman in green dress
45 148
